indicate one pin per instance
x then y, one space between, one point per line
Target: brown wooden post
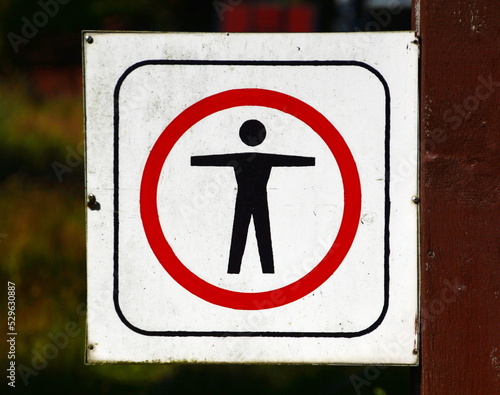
460 213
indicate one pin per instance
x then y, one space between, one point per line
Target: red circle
250 300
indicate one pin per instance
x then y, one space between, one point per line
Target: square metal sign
251 197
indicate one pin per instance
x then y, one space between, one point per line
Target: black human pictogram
252 171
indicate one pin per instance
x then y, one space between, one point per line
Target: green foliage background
42 229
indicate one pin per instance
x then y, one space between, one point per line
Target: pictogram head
252 132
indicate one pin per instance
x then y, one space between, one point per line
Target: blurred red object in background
268 18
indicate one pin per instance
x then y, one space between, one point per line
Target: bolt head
91 200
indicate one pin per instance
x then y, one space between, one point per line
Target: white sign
253 197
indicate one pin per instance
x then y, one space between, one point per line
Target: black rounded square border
116 222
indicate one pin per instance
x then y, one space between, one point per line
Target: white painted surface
196 204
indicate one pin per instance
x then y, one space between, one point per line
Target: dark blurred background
42 202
